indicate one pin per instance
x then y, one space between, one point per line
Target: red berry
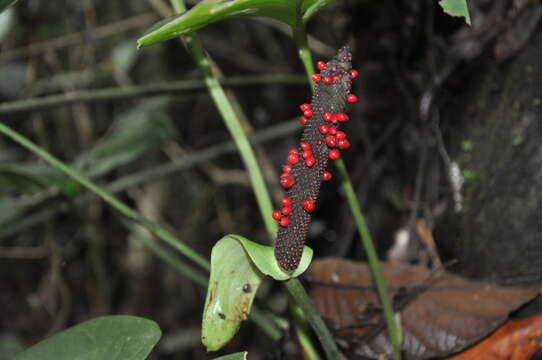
305 107
327 176
286 211
342 117
293 151
308 113
286 201
321 65
332 130
287 181
327 116
328 80
341 135
293 159
351 98
286 168
331 141
305 146
343 144
354 73
310 161
276 215
316 77
336 78
324 129
308 205
303 120
334 154
306 154
334 119
284 222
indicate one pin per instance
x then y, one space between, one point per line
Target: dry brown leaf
517 339
441 313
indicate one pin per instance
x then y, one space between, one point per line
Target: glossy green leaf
456 8
237 356
119 337
5 3
238 267
292 12
142 129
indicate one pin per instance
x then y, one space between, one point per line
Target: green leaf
5 3
456 8
237 356
292 12
28 178
138 131
119 337
238 267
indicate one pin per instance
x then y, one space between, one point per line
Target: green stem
300 37
107 197
232 123
296 290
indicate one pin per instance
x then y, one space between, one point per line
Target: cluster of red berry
334 140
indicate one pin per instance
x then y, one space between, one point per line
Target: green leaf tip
456 8
210 11
238 266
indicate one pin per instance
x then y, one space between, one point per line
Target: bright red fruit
328 80
343 144
327 176
342 117
293 159
286 211
324 129
284 222
316 77
327 116
305 107
331 141
341 135
276 215
286 168
354 73
305 146
287 181
334 154
321 65
332 130
310 161
351 98
308 113
308 205
286 202
303 120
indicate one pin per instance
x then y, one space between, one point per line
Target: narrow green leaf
210 11
119 337
140 130
6 3
238 267
237 356
456 8
21 179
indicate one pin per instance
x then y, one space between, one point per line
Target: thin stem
159 89
296 290
368 245
232 123
107 197
300 37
